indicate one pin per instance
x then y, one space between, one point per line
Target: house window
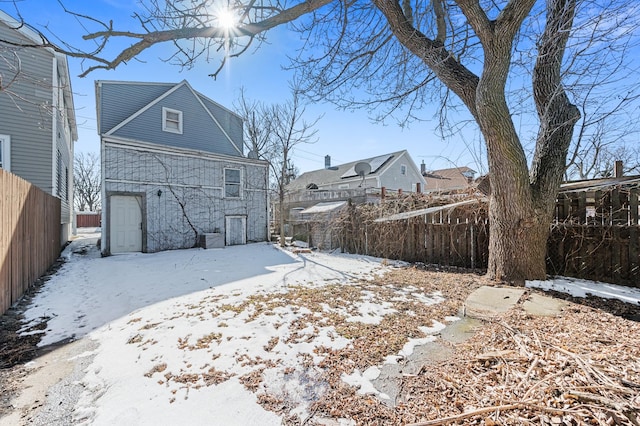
403 169
232 183
59 173
5 156
171 120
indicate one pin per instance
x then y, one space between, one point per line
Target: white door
126 224
236 230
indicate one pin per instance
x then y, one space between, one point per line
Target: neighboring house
448 180
37 118
314 197
355 181
174 171
394 171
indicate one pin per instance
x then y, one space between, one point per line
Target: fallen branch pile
579 368
582 368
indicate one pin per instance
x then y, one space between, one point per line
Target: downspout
105 203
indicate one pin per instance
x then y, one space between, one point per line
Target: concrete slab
539 305
488 301
461 330
389 381
483 303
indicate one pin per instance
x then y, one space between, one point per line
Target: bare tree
289 129
86 180
594 154
484 56
257 122
272 132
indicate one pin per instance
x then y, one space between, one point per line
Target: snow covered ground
179 343
174 340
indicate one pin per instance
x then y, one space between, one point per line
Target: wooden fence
29 236
88 219
463 244
595 235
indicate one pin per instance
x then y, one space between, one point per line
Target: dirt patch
17 349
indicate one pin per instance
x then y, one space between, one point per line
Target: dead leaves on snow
578 368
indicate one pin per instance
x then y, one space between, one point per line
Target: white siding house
174 171
394 171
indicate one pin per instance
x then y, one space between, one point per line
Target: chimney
327 161
423 168
617 170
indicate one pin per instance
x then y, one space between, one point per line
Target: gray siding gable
206 125
229 121
118 101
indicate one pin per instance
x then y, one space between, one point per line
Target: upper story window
232 183
171 120
403 169
5 155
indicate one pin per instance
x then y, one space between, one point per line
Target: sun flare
226 19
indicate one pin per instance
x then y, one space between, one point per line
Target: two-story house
174 170
393 171
37 118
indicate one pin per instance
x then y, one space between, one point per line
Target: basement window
171 120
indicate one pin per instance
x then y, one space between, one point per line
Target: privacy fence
29 236
595 235
88 219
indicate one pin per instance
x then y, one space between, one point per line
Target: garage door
236 230
126 224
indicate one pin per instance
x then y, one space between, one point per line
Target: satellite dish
252 154
362 169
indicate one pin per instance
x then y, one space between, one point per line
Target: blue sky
346 136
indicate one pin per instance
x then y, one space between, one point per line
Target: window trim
165 119
403 169
5 155
239 183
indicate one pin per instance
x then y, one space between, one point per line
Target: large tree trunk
519 228
517 242
522 200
